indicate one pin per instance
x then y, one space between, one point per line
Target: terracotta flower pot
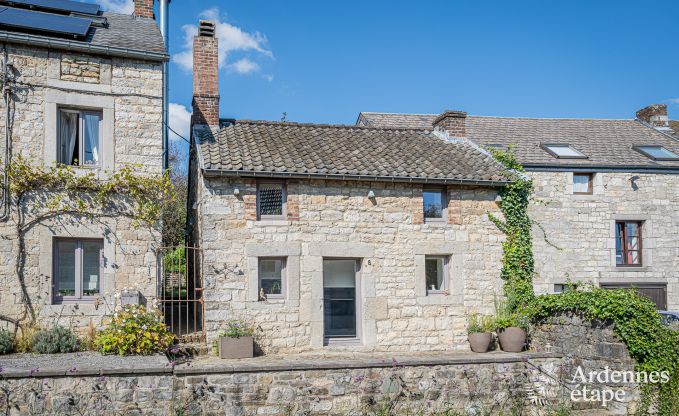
512 339
242 347
480 341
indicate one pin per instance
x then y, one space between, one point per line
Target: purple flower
34 370
174 350
73 369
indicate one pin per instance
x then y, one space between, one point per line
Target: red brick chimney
205 75
655 115
143 8
454 122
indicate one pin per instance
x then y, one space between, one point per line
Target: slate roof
264 148
124 33
605 142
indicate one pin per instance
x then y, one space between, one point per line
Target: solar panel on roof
31 20
57 5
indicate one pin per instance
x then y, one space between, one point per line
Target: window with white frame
272 278
79 137
436 274
271 200
78 269
582 183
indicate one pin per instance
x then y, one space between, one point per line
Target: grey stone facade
336 219
574 236
128 93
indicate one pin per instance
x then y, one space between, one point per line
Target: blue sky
324 61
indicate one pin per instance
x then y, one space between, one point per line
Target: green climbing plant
636 321
518 266
61 192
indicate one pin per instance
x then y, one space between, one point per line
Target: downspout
165 32
7 94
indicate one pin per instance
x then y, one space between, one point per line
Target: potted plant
479 332
511 332
236 340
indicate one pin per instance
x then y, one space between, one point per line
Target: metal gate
180 291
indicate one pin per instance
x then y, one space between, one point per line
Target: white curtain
68 134
91 123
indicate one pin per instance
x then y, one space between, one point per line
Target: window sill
268 222
631 268
436 224
342 342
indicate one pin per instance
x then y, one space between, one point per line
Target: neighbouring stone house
606 193
85 89
341 236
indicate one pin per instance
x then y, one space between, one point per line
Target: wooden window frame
284 282
78 297
444 205
623 245
445 289
590 183
81 135
284 208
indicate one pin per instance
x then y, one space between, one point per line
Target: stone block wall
337 219
129 94
574 238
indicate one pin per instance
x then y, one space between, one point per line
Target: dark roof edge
33 40
601 168
342 177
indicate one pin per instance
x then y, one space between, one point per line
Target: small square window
271 201
563 151
271 278
77 269
436 272
582 183
562 288
79 137
656 152
628 243
434 204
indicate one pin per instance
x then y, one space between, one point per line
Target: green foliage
637 323
6 342
134 331
71 191
175 260
517 254
55 340
480 323
237 329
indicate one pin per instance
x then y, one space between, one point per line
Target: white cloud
674 100
116 6
244 66
179 120
231 39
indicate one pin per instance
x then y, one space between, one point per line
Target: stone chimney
205 76
655 115
453 122
143 8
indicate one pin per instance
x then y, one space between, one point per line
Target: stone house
606 193
339 236
84 88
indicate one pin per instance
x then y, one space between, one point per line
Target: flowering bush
237 329
134 331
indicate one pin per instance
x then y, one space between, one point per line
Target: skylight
563 151
656 152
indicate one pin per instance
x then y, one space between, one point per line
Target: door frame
358 339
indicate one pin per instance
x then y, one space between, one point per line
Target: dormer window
563 151
656 152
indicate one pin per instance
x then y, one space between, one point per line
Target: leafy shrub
134 331
55 340
6 342
237 329
24 338
480 323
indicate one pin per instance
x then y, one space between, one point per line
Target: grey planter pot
480 341
512 339
236 347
